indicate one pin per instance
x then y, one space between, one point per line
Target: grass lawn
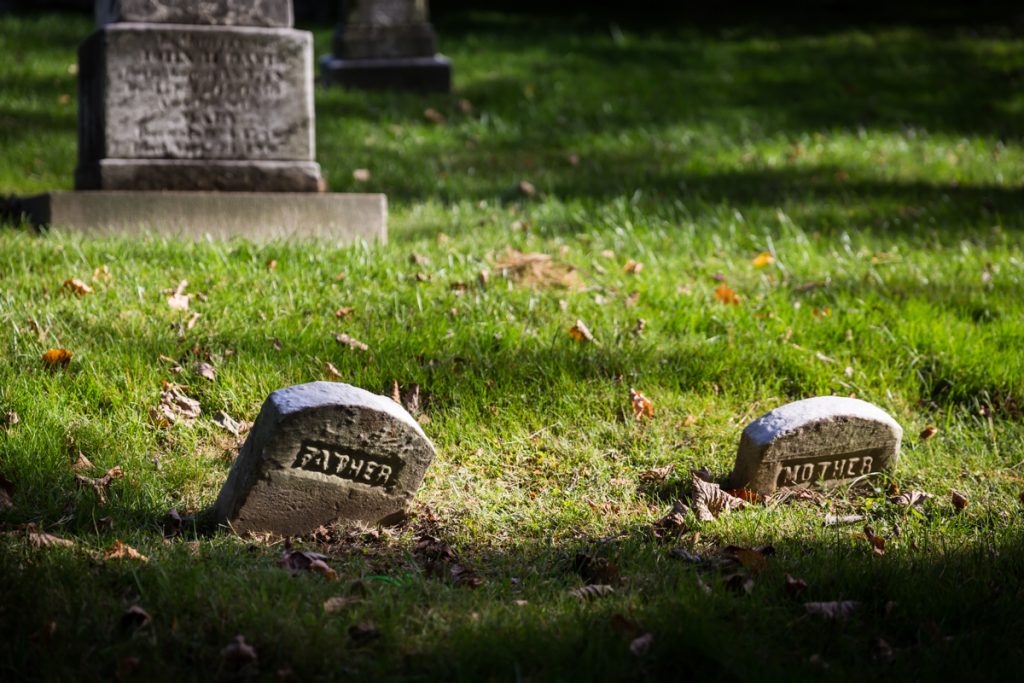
881 167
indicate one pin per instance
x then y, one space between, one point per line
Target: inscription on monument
207 93
347 464
823 468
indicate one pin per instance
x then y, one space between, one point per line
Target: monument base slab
418 74
340 217
195 175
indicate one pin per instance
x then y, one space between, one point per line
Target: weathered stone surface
826 439
377 29
270 13
320 452
337 218
415 74
170 92
198 175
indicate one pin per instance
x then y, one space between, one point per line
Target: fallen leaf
928 432
339 603
580 332
178 300
794 586
433 115
641 645
959 500
305 560
101 484
344 311
763 259
101 274
690 421
123 551
331 370
537 270
642 406
632 267
910 498
836 611
239 655
361 175
877 542
175 407
526 188
709 500
9 419
739 582
55 358
193 320
746 495
726 295
351 342
657 473
227 423
73 284
81 462
41 539
206 371
135 618
396 395
591 592
363 633
639 327
823 358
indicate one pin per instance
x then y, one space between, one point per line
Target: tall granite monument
386 45
196 117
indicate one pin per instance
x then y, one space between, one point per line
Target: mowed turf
880 167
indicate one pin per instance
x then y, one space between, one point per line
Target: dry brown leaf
174 407
639 328
690 421
726 295
134 618
832 611
526 188
193 320
304 560
57 358
332 371
910 498
434 116
9 419
239 656
591 592
73 284
178 300
632 267
361 175
351 342
877 542
763 259
580 332
642 406
928 432
227 423
537 270
656 473
41 539
206 371
794 586
959 500
100 484
746 495
344 311
101 274
709 500
123 551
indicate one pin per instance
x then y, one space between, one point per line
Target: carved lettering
337 461
808 469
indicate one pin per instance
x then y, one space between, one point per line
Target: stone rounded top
800 414
315 395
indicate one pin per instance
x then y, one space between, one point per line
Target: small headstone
321 452
386 45
826 439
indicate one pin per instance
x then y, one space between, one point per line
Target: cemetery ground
789 213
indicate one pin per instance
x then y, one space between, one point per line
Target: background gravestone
179 95
826 439
324 451
386 45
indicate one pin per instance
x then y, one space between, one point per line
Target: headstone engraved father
826 439
183 95
320 452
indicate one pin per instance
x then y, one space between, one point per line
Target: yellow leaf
763 259
57 358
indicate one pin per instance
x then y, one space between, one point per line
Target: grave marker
324 451
827 439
